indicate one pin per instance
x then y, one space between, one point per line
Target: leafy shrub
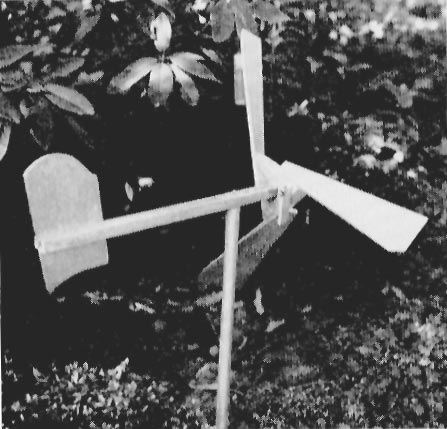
389 373
356 64
405 365
52 49
84 397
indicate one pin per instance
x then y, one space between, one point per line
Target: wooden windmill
71 234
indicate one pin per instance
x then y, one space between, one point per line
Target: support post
226 322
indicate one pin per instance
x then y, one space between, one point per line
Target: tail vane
63 195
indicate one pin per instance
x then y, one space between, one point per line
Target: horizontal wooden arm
136 222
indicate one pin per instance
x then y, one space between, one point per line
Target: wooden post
226 322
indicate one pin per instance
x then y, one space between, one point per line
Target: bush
83 397
390 372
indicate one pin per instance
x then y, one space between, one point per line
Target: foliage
40 73
360 71
367 80
85 397
225 15
391 375
51 46
52 53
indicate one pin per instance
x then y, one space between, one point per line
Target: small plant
96 398
39 73
163 69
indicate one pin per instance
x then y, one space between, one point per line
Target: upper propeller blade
251 56
251 59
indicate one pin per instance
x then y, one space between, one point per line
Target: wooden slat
129 224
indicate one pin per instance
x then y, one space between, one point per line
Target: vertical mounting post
226 321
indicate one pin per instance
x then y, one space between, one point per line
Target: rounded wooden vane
63 196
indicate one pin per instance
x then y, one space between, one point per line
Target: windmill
390 226
71 234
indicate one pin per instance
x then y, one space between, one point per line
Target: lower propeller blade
252 249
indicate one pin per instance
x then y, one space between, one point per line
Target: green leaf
129 191
10 54
133 73
162 3
89 78
222 21
165 5
68 99
423 83
161 83
314 65
337 56
55 12
88 23
442 149
186 56
80 132
188 62
364 350
188 89
13 79
161 32
404 96
243 12
418 409
76 6
42 123
67 67
258 302
4 139
212 55
267 11
39 376
8 110
274 324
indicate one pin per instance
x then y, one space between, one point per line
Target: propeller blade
256 243
391 226
252 249
251 56
251 60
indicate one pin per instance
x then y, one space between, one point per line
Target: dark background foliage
350 336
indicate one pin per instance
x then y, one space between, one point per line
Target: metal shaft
226 323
